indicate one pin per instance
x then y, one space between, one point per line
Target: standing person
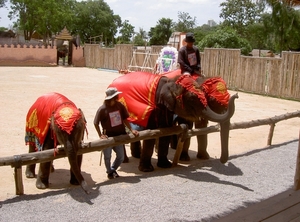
189 56
113 118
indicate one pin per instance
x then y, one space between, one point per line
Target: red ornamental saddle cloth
138 95
38 117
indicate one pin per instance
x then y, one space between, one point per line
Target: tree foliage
225 38
127 32
240 14
284 21
95 18
185 23
43 17
2 3
160 34
140 38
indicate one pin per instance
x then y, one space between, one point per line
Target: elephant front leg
146 154
42 180
162 153
30 169
202 140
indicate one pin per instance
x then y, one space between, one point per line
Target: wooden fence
278 77
17 161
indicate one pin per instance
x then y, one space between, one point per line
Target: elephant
54 119
218 105
153 100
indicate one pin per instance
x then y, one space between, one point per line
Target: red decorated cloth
216 88
187 82
39 114
138 95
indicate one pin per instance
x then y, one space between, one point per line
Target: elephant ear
167 96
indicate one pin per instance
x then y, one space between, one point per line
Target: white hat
111 93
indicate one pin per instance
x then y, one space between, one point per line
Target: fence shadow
196 170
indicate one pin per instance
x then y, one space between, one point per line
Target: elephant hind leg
136 149
30 169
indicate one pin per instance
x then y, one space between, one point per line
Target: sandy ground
20 87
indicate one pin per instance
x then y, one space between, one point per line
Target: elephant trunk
224 134
215 117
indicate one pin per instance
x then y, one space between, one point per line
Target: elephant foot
146 167
184 156
164 163
30 171
203 155
42 183
73 180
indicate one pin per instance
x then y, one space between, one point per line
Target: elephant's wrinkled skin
62 123
170 98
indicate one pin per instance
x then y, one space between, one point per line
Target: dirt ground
21 86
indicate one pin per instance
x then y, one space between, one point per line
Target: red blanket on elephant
39 115
138 89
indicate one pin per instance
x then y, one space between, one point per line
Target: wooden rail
17 161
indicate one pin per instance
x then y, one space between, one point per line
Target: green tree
127 32
95 18
225 38
160 34
185 23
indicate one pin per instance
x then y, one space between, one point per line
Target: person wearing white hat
189 56
112 116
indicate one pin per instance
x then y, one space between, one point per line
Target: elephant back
138 95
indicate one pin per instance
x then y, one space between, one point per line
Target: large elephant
217 97
53 119
152 101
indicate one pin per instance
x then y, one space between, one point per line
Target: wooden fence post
180 141
18 175
297 174
271 132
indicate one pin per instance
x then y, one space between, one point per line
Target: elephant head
186 98
71 136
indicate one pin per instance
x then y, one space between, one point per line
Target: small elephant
53 119
153 100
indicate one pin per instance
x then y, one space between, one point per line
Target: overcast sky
146 13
